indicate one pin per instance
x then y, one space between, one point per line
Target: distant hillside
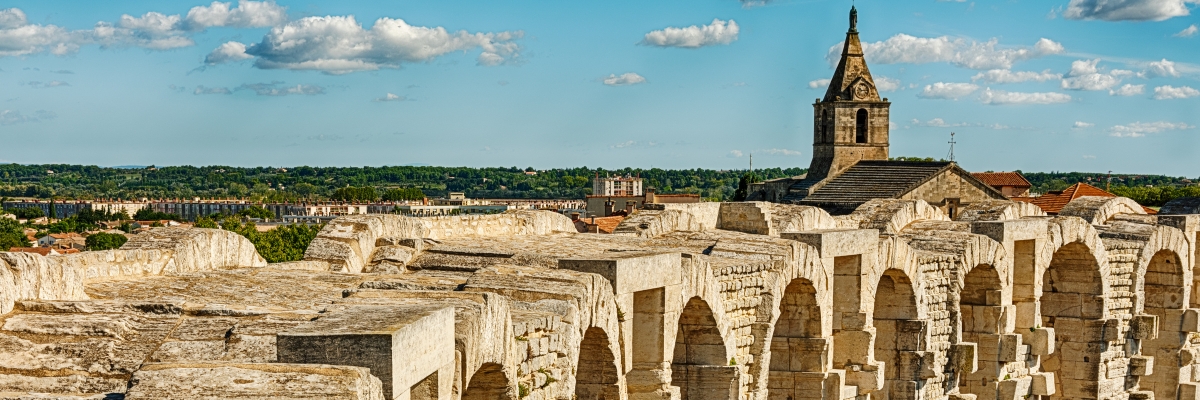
321 183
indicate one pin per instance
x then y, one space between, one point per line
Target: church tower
851 122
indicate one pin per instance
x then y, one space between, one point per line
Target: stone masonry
738 301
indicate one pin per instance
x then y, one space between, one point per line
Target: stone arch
596 375
998 210
799 349
981 308
489 383
699 346
1163 280
890 216
899 335
1072 302
1100 210
862 126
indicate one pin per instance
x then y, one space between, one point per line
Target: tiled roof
998 179
602 224
45 251
1053 202
868 180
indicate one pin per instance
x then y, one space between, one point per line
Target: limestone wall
746 301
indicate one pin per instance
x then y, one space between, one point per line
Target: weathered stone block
1144 327
196 381
1041 341
963 357
629 274
1042 384
401 344
1009 347
1141 365
1014 389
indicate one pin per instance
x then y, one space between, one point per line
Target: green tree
743 189
148 214
27 213
11 235
105 241
256 212
206 222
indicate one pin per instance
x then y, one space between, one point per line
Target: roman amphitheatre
866 279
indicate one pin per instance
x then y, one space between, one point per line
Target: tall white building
617 186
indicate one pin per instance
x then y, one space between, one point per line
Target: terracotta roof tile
603 224
998 179
1053 202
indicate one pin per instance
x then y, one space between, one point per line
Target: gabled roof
1053 202
868 180
998 179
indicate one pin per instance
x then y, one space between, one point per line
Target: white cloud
9 117
999 97
248 14
781 152
734 154
51 84
1008 76
819 84
885 84
1188 32
211 90
1169 92
1139 129
1127 10
718 32
1128 90
1082 125
938 123
903 48
274 89
951 91
390 97
339 44
622 145
1156 69
152 30
1086 75
628 78
227 52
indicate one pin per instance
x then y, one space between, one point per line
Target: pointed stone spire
852 80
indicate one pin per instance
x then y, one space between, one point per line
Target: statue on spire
853 19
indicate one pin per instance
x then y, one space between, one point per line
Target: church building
850 164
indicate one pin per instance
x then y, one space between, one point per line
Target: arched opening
980 309
699 356
1164 289
825 136
898 335
799 353
489 383
1073 301
596 376
860 126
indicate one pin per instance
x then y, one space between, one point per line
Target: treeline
271 184
1052 181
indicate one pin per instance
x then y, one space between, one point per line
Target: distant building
65 240
1010 184
45 251
616 186
1053 202
604 206
851 164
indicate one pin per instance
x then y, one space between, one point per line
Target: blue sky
1064 85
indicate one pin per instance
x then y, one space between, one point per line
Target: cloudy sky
1062 85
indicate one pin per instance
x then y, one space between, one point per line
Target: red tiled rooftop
1053 202
998 179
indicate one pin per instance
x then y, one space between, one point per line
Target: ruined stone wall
743 301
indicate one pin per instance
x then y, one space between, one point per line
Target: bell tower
851 122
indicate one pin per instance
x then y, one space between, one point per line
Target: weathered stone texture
720 301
